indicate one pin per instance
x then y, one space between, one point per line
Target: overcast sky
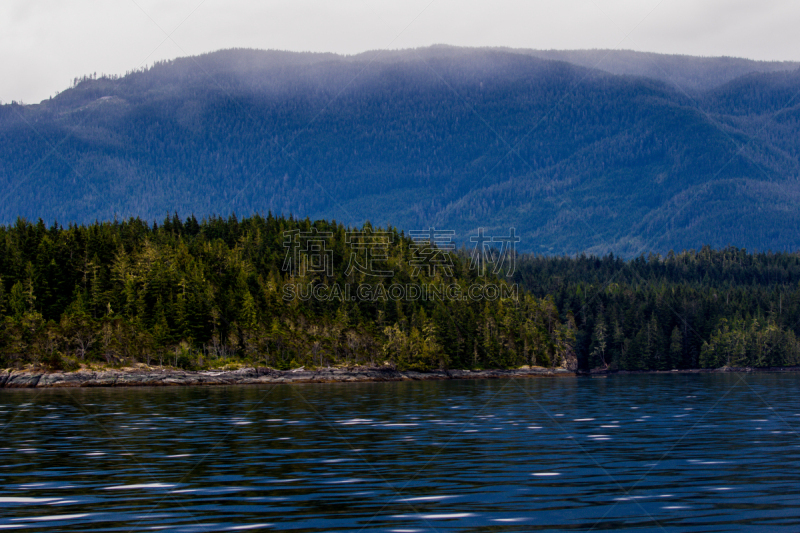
46 43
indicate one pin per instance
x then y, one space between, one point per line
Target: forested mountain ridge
691 74
576 159
205 294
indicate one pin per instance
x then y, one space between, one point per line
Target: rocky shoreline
722 370
27 379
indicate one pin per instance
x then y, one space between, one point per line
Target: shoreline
31 379
28 379
721 370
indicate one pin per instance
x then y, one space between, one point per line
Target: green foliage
208 294
694 309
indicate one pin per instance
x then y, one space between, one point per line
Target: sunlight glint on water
630 452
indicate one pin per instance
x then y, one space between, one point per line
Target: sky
44 44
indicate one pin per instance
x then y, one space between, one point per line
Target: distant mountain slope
685 73
576 159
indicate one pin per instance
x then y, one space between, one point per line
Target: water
644 453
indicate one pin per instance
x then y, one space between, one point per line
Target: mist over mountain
689 74
577 159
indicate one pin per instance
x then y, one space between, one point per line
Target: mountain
577 159
689 74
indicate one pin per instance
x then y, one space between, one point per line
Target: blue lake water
641 453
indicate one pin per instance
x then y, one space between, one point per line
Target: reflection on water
665 452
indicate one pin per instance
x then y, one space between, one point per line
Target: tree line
694 309
212 293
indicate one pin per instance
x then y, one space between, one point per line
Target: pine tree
675 348
599 341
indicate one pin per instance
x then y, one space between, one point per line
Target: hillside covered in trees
200 294
691 74
206 294
694 309
577 159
